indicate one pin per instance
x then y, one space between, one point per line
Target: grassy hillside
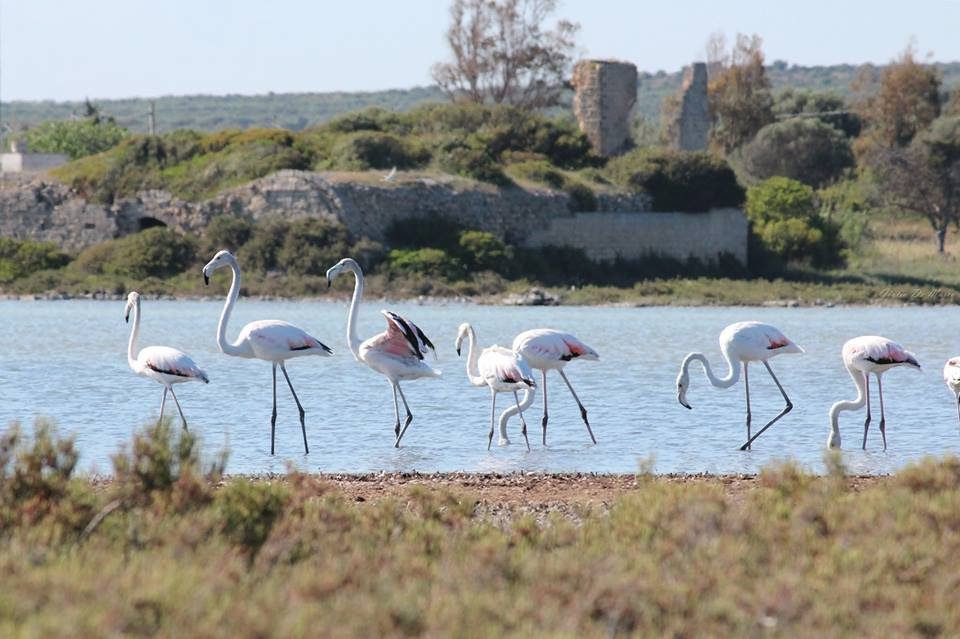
297 111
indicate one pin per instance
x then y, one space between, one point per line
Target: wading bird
163 364
742 343
546 349
499 368
861 356
397 353
270 340
951 375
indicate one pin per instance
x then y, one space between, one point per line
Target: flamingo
397 353
163 364
742 343
861 356
499 368
951 375
270 340
546 349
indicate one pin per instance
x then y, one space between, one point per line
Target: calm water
66 360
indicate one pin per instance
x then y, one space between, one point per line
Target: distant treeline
296 111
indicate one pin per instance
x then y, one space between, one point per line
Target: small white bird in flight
389 177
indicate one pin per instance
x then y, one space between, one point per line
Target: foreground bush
803 149
787 554
19 258
156 252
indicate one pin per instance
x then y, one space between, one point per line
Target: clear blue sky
71 49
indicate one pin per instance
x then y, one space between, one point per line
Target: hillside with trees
297 111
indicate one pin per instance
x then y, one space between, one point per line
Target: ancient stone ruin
691 129
605 94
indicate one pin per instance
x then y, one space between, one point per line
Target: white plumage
501 370
165 365
397 353
546 349
742 343
951 375
273 341
862 356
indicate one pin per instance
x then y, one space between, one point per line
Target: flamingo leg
958 406
177 402
303 424
866 422
396 410
883 419
493 412
786 409
163 403
543 422
409 419
523 422
746 385
273 416
583 411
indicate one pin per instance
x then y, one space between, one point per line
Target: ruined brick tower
605 94
692 128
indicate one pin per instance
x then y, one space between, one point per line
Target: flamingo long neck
352 340
860 381
728 380
473 358
134 335
222 343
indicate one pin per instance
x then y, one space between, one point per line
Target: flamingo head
683 383
221 259
462 333
347 264
133 300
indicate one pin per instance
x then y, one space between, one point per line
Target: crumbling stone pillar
605 94
691 131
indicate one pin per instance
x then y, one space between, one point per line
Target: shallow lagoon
67 360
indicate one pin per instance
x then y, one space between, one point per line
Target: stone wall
48 211
692 128
607 236
30 162
605 94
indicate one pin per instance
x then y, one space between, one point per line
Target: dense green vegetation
178 546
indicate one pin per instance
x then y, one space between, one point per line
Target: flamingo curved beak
684 403
206 279
458 351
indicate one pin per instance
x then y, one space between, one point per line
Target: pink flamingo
162 364
270 340
951 375
546 349
397 353
742 342
861 356
499 368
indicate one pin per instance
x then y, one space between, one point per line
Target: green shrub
375 150
312 245
473 162
228 232
804 149
75 138
582 198
538 171
482 251
435 231
156 252
432 262
262 250
247 511
784 215
19 258
164 463
371 119
678 180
